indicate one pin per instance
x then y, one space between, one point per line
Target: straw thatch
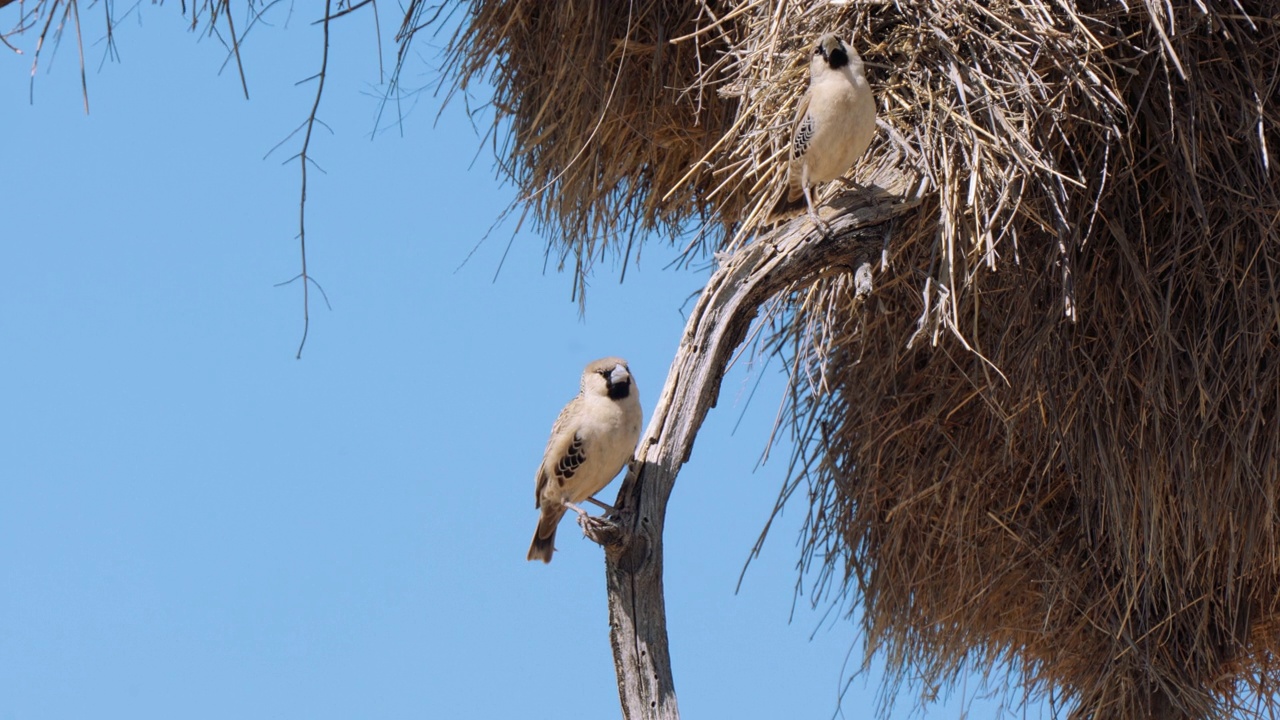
601 125
1049 438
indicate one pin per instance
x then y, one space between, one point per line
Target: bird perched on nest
834 124
592 439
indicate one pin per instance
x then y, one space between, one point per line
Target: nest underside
1048 439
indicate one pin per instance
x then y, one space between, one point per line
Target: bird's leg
808 201
602 530
585 518
603 506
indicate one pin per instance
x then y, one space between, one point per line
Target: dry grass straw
1050 437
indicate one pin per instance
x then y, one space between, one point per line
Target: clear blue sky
193 524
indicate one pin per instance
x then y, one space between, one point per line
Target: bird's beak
618 375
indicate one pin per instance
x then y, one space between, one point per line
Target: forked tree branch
791 257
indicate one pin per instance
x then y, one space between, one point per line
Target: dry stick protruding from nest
792 256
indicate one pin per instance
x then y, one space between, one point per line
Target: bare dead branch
790 257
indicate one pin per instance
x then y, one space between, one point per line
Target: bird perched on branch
834 124
593 438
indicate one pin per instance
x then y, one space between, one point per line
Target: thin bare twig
235 47
303 161
74 5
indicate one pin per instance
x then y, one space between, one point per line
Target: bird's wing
801 129
564 454
801 135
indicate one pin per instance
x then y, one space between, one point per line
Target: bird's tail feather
789 200
541 548
544 538
786 206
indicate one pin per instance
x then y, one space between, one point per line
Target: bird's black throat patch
618 391
837 58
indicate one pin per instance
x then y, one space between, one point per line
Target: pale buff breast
609 442
845 119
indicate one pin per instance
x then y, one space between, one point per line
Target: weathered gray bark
791 257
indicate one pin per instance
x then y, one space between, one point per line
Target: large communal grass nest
1049 439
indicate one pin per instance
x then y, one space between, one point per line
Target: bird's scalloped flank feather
801 133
